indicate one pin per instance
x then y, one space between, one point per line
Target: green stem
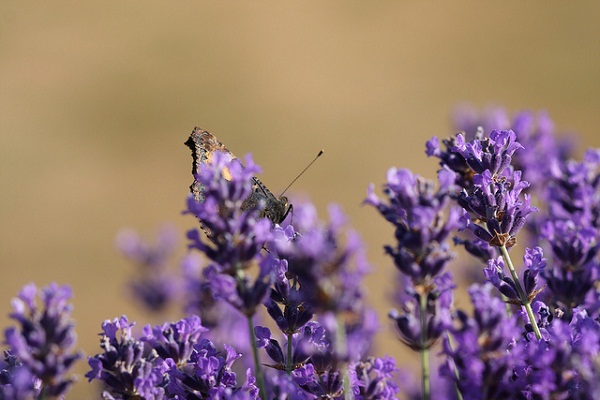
425 384
523 296
341 350
260 381
456 373
288 362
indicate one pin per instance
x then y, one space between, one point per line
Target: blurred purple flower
328 269
44 343
16 381
437 317
223 321
155 286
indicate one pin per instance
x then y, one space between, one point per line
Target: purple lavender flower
494 211
168 361
208 374
421 253
311 341
373 379
44 343
535 131
287 305
155 287
322 384
416 211
237 234
534 264
490 187
574 267
574 189
559 366
16 381
223 321
436 319
480 360
570 229
328 271
175 341
127 367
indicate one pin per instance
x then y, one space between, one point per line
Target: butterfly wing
203 145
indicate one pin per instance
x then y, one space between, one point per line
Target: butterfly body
203 145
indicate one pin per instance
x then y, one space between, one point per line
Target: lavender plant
41 350
279 311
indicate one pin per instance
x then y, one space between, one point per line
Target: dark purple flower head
574 189
127 367
155 287
286 305
416 211
494 209
574 269
535 131
169 361
208 374
468 158
175 341
45 340
493 153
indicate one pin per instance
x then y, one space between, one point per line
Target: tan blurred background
96 100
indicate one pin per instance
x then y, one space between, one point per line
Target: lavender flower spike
126 367
494 210
416 211
44 343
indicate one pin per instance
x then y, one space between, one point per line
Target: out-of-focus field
97 98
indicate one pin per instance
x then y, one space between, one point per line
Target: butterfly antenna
303 171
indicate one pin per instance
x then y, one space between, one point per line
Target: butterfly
203 145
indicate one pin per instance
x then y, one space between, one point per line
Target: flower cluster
41 349
168 361
237 234
278 311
